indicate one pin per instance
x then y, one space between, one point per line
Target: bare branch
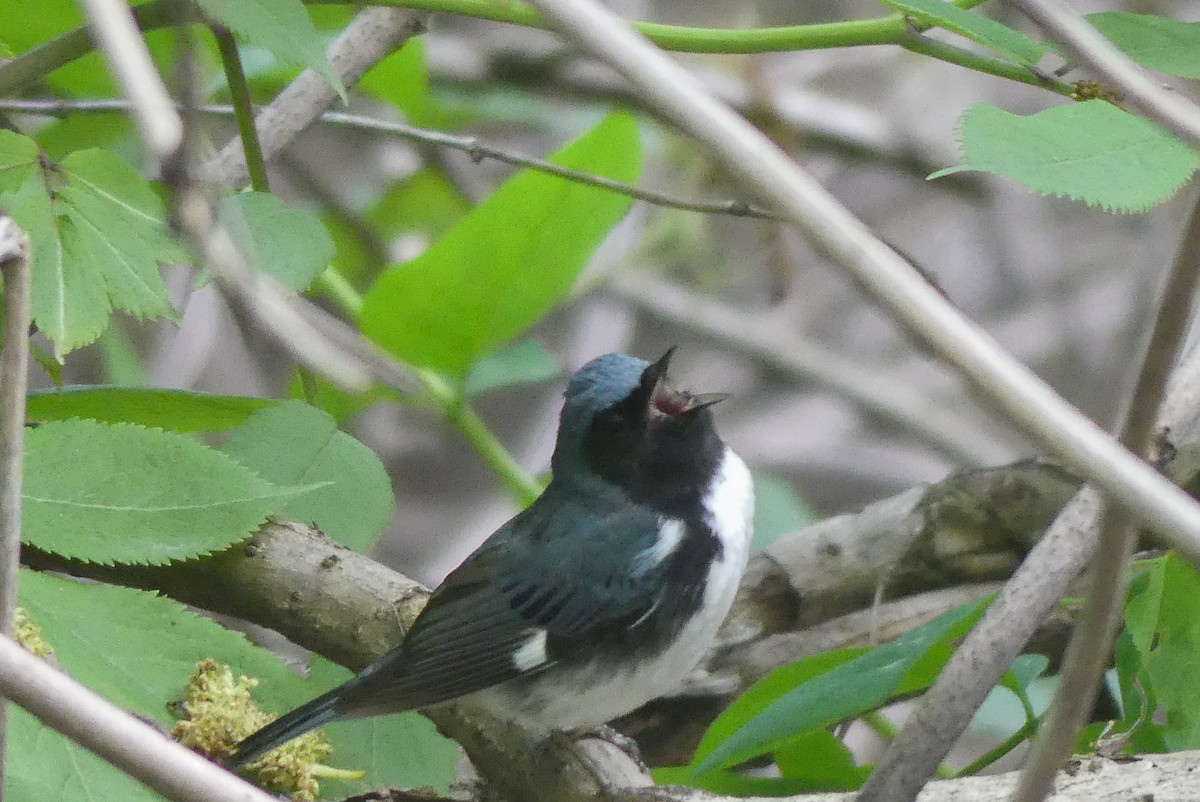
15 268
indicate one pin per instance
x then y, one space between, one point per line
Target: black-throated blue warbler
600 596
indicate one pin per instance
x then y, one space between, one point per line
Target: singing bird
600 596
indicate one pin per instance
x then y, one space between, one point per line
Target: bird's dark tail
319 711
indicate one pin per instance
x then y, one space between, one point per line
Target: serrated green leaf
848 689
982 30
506 263
295 444
527 362
281 26
98 238
1090 151
778 510
174 410
1156 42
123 493
137 650
290 245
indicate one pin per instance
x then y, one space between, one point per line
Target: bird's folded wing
518 605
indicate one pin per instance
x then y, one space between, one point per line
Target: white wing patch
670 535
532 653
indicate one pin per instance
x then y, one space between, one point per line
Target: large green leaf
295 444
506 263
1090 151
138 650
794 700
123 493
98 237
1156 42
176 410
280 26
290 245
987 32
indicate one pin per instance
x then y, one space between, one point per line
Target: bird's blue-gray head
622 423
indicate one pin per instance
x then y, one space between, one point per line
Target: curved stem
894 29
243 110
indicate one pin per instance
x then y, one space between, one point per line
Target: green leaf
403 750
289 245
402 79
821 762
527 362
98 237
122 493
506 263
175 410
295 444
1156 42
44 765
778 510
982 30
425 202
1090 151
137 650
333 400
280 26
1164 623
846 690
759 696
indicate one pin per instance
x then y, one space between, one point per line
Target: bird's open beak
664 398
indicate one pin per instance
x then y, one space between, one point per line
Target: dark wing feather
567 572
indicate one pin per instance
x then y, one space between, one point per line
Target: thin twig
127 742
15 267
474 147
763 169
1172 111
243 110
1091 641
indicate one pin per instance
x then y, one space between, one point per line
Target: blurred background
833 405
